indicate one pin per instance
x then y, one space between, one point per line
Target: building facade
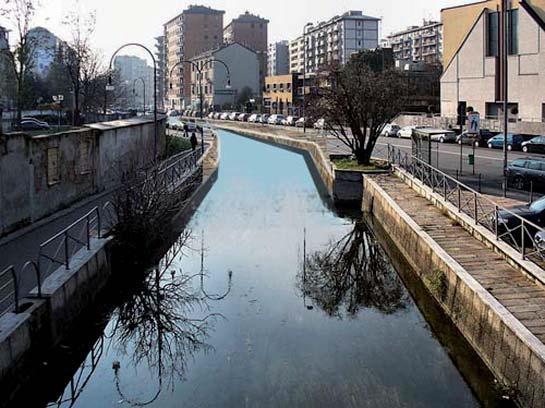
160 57
222 88
282 94
135 73
252 32
419 43
194 31
334 41
473 53
45 44
6 83
297 54
278 59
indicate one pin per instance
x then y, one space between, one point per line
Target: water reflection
351 273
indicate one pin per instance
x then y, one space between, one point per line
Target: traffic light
461 113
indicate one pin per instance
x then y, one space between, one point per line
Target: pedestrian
193 141
185 129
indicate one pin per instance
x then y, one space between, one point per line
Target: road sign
474 122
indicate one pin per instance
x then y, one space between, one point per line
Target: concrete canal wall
508 348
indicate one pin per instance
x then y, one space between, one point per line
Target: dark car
534 145
522 173
31 125
514 141
509 222
477 139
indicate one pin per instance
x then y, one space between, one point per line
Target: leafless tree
352 273
20 14
356 101
82 65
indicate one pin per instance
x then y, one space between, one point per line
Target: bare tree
350 274
81 63
357 101
20 14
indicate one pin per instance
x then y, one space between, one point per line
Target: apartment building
194 31
252 32
45 47
278 59
135 73
297 54
160 56
472 55
282 94
334 41
244 66
422 43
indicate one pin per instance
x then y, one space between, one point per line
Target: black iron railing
506 225
9 291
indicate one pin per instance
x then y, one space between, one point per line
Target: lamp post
199 72
110 87
506 15
305 73
143 88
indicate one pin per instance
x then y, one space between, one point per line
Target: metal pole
462 149
505 82
202 103
154 108
304 76
474 161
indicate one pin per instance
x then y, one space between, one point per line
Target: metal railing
506 225
59 250
9 291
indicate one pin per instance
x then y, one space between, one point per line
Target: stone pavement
522 297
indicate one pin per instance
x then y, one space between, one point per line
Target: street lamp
305 73
200 75
144 90
110 87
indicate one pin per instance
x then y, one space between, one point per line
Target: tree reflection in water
154 326
350 274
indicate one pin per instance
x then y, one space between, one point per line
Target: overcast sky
121 21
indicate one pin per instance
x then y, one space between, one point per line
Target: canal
268 299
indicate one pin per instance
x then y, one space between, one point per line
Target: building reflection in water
350 274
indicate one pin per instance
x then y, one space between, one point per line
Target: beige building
297 55
194 31
252 32
472 59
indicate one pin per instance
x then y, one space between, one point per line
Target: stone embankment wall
40 175
511 352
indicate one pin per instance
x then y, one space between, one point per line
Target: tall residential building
45 44
252 32
6 83
419 43
196 30
135 72
278 60
4 38
160 56
472 56
243 66
335 40
297 54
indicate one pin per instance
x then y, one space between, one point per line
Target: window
492 34
514 32
535 165
53 171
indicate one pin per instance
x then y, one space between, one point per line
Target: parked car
265 118
523 172
39 122
233 115
536 144
390 130
31 125
406 132
300 122
291 120
441 136
224 116
514 141
319 124
243 117
509 221
254 118
477 139
275 119
211 115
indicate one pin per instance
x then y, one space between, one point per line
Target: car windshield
538 206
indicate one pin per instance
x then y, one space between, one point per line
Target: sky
122 21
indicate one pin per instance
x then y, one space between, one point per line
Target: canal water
271 299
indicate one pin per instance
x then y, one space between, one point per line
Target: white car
300 122
406 132
224 116
254 118
234 115
276 119
390 130
320 124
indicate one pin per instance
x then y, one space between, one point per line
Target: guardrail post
496 221
15 289
88 227
522 240
66 255
459 197
475 206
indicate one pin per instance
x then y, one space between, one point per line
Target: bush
176 145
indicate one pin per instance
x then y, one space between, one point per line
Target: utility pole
506 7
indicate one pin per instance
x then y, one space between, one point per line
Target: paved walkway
523 298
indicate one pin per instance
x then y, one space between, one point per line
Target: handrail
504 223
6 292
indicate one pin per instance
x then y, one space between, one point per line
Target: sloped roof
198 9
223 46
